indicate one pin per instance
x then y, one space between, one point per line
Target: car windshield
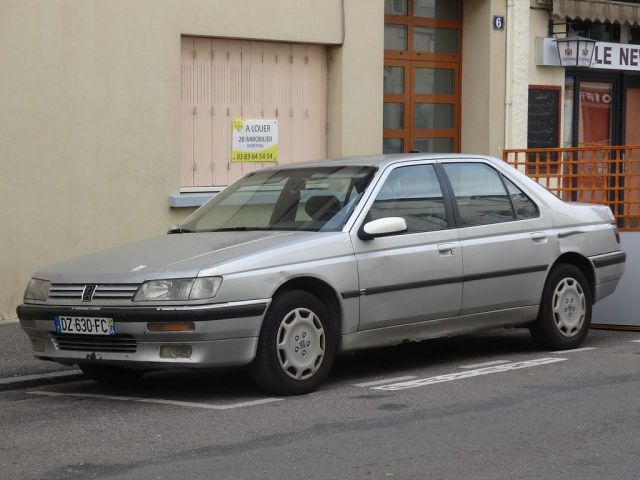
313 198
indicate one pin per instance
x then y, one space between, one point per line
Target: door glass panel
479 193
395 7
392 145
595 113
524 206
393 116
434 40
434 145
414 194
632 119
440 9
594 128
395 37
393 79
434 81
632 168
433 115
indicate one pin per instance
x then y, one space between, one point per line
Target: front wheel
565 310
296 345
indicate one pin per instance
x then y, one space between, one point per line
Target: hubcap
569 306
300 344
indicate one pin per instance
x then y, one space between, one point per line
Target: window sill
190 199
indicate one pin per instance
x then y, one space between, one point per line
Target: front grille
114 291
96 343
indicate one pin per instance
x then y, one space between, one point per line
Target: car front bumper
224 334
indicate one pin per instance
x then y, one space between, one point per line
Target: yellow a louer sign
254 140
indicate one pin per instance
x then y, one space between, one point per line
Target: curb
26 381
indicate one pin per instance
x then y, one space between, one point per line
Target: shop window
634 34
600 31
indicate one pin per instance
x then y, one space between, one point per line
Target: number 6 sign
498 22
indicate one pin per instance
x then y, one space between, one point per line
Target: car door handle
539 237
447 249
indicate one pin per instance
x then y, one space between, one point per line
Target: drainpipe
508 90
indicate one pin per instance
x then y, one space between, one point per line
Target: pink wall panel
234 98
299 103
202 174
283 101
317 146
252 83
229 79
221 119
186 113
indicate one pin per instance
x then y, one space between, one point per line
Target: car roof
381 160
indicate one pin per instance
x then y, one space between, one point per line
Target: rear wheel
565 310
110 373
296 345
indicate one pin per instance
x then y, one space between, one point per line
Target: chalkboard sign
543 124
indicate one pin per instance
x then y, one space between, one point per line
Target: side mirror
382 227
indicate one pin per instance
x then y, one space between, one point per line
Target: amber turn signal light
171 326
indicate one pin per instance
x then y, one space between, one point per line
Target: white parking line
634 341
161 401
421 382
485 364
386 380
583 349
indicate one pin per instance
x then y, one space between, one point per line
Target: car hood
168 256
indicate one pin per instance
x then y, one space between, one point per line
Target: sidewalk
18 366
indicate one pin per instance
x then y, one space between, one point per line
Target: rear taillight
616 232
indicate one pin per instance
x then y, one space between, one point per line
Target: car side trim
609 259
506 273
443 281
146 314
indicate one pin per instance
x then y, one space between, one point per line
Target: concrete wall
90 127
623 307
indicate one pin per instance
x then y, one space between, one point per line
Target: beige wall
89 135
354 116
483 78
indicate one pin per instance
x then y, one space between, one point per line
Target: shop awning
604 11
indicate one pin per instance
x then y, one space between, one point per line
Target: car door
507 240
414 275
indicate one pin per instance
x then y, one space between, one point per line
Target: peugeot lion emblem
87 293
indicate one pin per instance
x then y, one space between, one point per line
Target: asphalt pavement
18 366
485 406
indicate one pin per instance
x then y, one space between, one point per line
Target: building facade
118 116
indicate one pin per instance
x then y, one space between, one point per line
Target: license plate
84 325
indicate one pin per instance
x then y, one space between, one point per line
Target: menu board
543 124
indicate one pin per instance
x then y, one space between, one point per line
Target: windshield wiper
178 229
236 229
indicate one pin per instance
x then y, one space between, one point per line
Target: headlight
179 289
37 290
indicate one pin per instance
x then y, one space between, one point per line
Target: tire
565 309
296 346
109 374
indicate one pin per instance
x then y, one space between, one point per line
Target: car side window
414 194
523 205
480 194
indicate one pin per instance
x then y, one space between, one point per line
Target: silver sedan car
292 265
